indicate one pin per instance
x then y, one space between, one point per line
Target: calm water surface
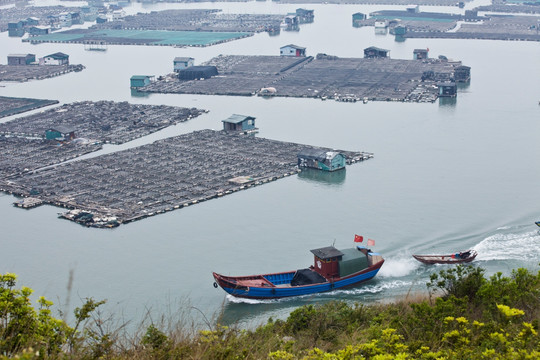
446 176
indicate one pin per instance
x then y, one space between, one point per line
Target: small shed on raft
321 159
237 122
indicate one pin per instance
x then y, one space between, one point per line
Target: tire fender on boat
215 284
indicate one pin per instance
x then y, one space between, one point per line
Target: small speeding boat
332 269
537 223
456 258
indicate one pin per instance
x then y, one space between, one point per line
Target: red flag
370 242
358 238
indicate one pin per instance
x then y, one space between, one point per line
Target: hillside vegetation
467 316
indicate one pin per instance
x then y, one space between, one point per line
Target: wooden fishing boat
333 269
455 258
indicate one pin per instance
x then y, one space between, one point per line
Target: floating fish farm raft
196 20
509 27
138 37
168 174
22 73
324 77
21 155
101 121
25 146
11 106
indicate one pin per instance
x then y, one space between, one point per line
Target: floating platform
168 174
323 77
22 73
27 203
11 106
139 37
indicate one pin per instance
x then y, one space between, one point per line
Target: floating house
16 28
381 24
462 73
305 16
140 80
39 30
420 54
447 89
182 63
321 159
357 19
21 59
31 21
290 22
55 59
398 30
292 50
240 123
375 52
197 72
60 133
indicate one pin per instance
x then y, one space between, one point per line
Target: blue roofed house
321 159
16 28
241 123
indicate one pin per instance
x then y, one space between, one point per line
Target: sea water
446 176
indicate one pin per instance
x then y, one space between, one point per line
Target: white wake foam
510 246
398 267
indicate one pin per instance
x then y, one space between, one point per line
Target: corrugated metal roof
140 77
294 47
327 252
58 55
236 119
183 59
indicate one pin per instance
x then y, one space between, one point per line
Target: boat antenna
334 243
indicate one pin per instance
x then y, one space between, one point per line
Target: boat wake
237 300
508 244
375 288
398 267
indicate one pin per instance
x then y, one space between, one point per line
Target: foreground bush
466 317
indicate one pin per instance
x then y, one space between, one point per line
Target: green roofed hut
242 123
60 133
137 81
321 159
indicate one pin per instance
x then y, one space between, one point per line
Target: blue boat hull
271 291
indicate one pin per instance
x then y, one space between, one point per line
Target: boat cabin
333 263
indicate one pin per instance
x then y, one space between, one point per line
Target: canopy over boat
332 269
455 258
